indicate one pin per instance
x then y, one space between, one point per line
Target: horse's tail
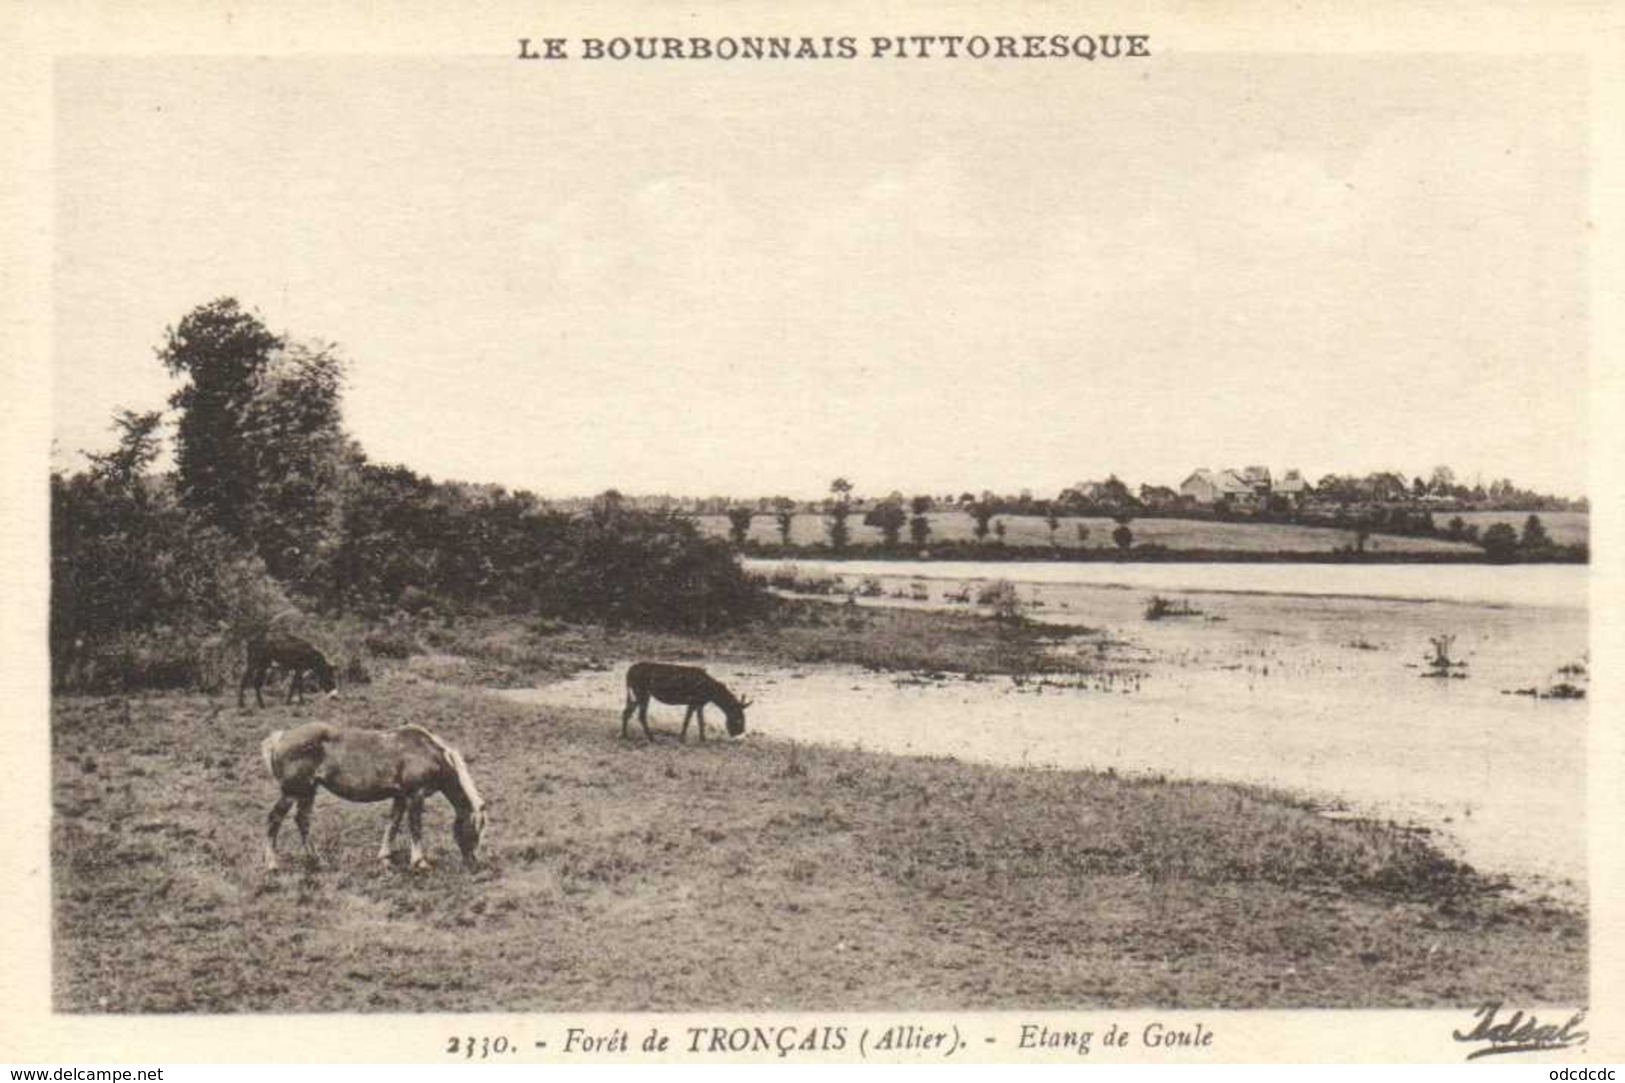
269 749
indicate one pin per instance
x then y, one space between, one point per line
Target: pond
1279 675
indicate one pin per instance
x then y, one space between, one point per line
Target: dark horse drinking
406 765
288 652
688 686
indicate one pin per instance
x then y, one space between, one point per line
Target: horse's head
468 830
735 713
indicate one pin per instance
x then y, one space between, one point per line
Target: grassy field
1565 527
507 653
808 529
750 874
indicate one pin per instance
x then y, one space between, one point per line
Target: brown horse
406 765
286 651
690 686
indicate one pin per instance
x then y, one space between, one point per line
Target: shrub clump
1159 608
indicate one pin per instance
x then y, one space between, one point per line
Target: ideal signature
1520 1033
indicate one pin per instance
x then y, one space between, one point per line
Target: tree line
890 515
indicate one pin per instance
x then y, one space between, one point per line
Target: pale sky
747 279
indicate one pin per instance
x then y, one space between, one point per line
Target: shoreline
754 875
1537 586
912 699
1008 554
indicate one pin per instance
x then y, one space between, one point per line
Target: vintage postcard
800 533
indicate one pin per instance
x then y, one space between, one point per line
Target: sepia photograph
812 535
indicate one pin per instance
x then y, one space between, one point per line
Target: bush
1500 541
1159 608
143 594
645 568
1002 597
391 642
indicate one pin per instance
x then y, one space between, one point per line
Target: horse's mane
455 758
725 696
268 751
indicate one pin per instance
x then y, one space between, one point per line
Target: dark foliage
1500 541
158 581
890 518
143 593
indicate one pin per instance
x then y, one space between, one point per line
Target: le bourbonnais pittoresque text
903 47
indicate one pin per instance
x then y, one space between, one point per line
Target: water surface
1283 679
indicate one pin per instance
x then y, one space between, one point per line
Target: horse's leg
395 815
273 824
700 710
414 821
242 685
301 817
643 718
688 714
259 685
295 685
626 715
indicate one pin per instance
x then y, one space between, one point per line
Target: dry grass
746 875
504 652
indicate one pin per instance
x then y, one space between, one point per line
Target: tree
607 506
890 517
919 527
299 454
1534 534
982 512
840 509
739 518
1456 529
784 514
1083 535
1115 494
1052 519
259 446
138 446
1123 536
999 529
1500 541
1443 481
221 351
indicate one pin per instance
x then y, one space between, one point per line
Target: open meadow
786 870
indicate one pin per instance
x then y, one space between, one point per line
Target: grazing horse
289 652
406 765
688 685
